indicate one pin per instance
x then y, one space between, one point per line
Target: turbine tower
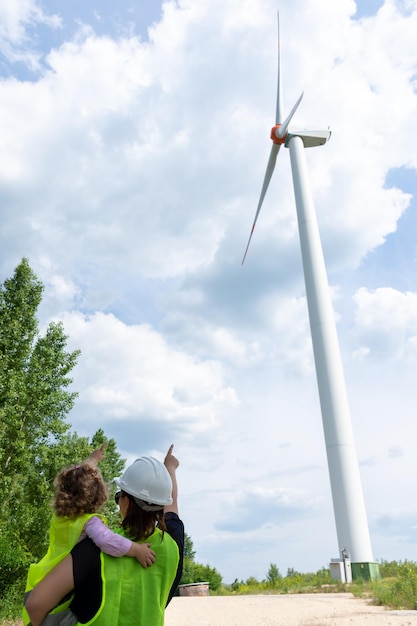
348 502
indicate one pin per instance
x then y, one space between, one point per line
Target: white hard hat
148 480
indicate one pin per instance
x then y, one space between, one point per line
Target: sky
134 141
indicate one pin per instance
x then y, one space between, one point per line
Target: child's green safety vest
64 533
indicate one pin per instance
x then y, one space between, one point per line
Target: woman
109 590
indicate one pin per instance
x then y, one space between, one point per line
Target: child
79 493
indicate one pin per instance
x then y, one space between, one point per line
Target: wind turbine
348 502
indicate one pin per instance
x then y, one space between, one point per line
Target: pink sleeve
105 539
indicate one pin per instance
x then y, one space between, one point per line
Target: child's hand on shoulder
143 553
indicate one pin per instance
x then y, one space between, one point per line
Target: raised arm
175 527
171 463
97 455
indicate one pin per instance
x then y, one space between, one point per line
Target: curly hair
78 490
139 524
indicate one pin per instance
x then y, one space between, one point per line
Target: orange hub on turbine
275 139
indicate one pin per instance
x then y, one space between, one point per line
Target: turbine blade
282 130
280 108
268 174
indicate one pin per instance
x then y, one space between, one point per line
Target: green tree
189 552
189 557
273 575
35 437
196 572
206 573
34 399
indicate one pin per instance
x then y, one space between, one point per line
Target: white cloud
142 130
259 506
15 19
386 320
131 372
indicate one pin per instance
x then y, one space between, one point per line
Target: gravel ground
327 609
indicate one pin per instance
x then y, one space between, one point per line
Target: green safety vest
133 595
64 533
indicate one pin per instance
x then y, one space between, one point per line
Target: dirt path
332 609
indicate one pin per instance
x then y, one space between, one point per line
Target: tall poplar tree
34 398
35 437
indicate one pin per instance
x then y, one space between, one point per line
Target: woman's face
123 505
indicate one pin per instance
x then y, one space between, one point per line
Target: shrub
14 564
400 593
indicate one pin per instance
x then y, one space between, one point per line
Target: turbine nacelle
311 138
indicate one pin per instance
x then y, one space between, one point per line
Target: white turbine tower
348 503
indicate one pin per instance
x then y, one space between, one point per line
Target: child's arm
97 455
117 545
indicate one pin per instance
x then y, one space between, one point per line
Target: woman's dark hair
139 524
